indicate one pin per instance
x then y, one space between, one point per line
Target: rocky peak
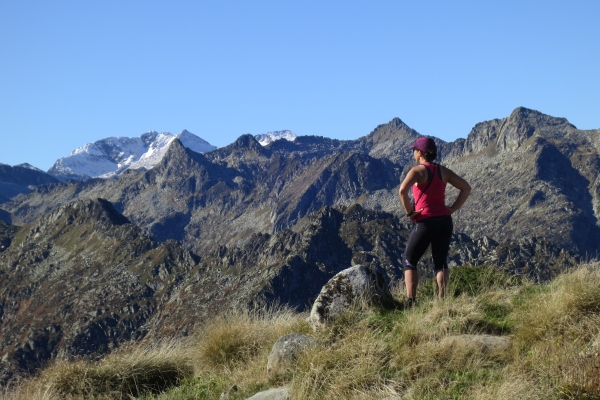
391 129
245 147
523 123
509 134
246 141
390 141
98 213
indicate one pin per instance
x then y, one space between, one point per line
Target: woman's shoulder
419 168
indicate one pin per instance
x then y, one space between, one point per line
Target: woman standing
432 218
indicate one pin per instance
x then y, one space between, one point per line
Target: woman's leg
442 277
416 246
411 280
440 246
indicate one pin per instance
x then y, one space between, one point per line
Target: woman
432 218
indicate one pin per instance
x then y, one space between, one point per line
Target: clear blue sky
73 72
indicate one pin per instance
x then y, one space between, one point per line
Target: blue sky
73 72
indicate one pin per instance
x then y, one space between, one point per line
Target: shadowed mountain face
253 223
18 179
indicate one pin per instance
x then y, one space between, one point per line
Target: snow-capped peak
111 156
270 137
194 143
29 166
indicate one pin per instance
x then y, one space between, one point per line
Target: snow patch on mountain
270 137
109 157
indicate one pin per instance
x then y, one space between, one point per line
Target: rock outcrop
345 289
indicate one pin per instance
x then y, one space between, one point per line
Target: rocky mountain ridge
536 174
159 251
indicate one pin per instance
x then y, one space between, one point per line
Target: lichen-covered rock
285 351
282 393
348 286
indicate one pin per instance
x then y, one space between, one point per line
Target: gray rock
282 393
344 289
285 351
485 343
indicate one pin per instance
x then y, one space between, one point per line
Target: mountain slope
80 281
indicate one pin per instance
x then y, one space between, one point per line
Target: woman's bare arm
413 176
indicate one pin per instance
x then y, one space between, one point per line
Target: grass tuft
120 375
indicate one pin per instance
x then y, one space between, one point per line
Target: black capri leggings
436 231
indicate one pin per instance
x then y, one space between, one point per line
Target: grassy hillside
370 353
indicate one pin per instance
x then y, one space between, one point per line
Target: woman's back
431 195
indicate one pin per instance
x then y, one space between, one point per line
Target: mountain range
87 265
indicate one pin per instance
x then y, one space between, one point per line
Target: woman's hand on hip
414 214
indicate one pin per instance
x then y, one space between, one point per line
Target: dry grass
121 375
235 338
371 353
559 312
349 368
232 349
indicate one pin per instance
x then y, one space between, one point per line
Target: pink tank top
432 200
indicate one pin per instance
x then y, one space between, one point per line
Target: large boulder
352 284
285 351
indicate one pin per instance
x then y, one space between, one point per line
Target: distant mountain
111 156
267 138
20 179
